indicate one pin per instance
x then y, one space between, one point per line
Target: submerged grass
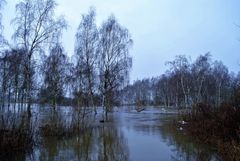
16 134
58 128
19 134
63 126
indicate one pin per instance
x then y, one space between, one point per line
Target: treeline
185 84
36 67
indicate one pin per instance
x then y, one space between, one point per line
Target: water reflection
185 148
172 143
100 143
112 145
129 136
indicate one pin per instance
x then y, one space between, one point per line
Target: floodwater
128 136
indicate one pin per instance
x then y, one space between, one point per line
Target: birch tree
86 56
35 26
222 81
114 60
201 69
181 68
55 72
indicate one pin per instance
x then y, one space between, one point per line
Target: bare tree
12 80
35 27
186 84
114 60
222 81
200 70
86 56
4 77
181 67
3 41
55 72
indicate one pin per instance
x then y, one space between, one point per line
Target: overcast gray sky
160 29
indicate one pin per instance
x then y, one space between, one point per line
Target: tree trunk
219 94
184 92
28 97
4 83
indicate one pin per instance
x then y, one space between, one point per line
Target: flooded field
128 136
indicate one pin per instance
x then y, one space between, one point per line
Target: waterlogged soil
128 136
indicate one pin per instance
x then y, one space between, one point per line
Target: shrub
217 126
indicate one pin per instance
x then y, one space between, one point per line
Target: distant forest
186 83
